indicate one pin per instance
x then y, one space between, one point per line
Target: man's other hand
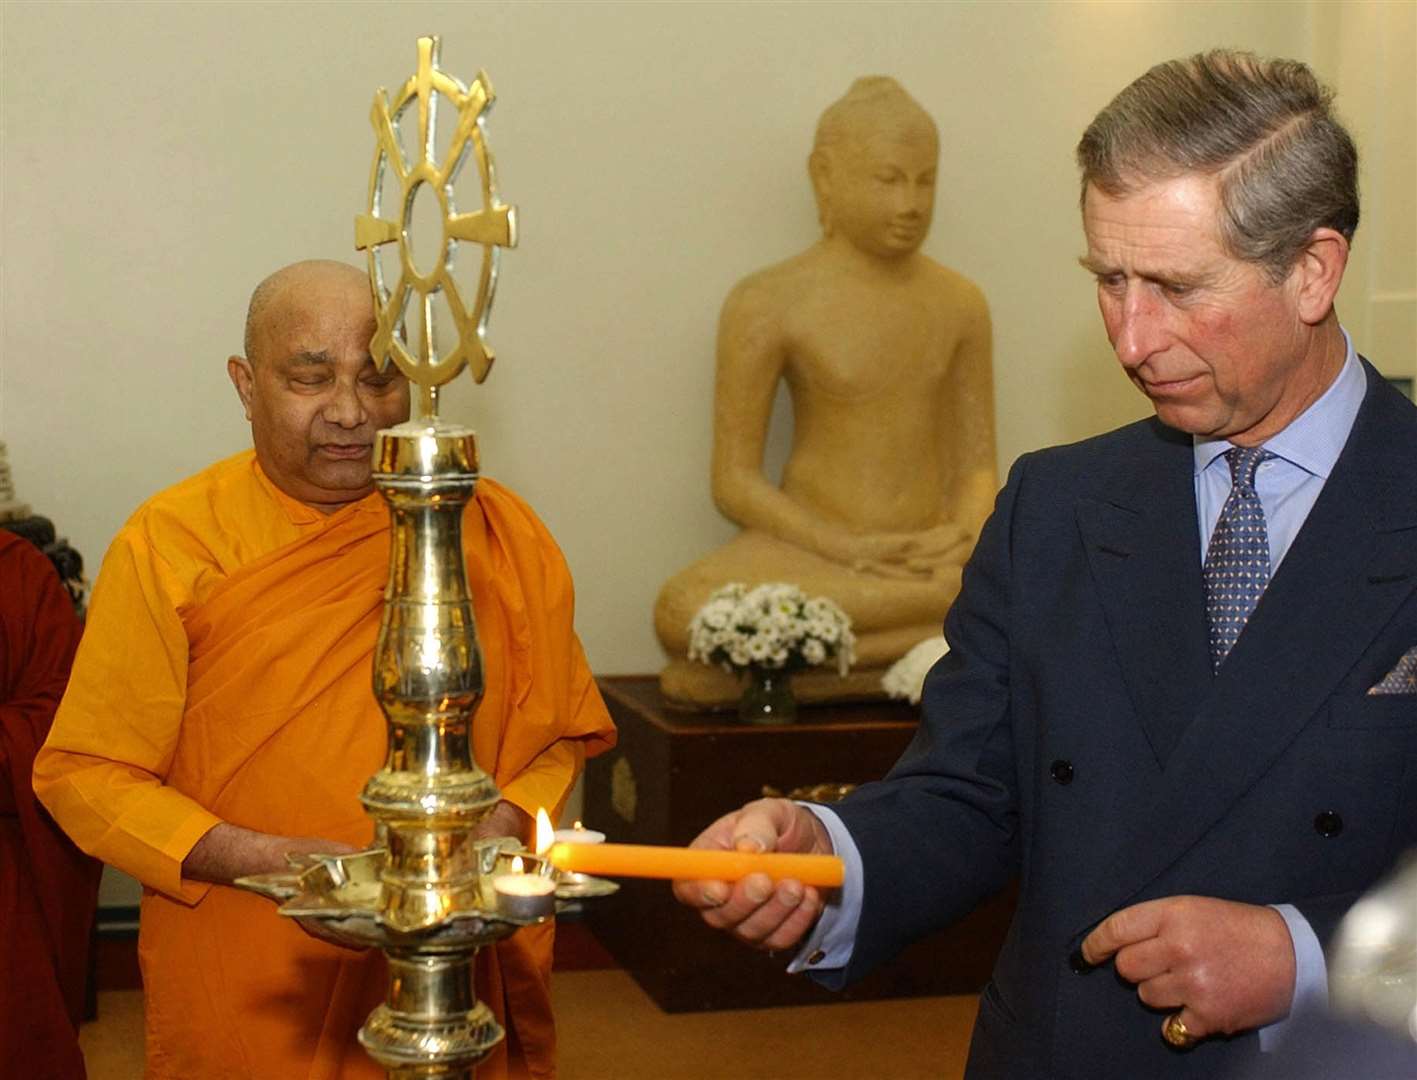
754 910
1223 966
227 852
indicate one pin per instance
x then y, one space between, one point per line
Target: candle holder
428 893
578 834
571 884
525 896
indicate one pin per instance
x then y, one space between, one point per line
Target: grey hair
1263 127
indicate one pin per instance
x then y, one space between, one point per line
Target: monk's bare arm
226 852
968 434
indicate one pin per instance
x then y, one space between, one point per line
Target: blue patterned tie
1237 561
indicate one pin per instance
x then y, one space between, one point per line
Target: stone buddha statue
887 359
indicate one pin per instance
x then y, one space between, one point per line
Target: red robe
47 886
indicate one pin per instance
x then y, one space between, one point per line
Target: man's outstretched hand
754 910
1222 966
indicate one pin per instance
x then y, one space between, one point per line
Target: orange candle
689 864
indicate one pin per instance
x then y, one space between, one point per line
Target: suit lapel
1143 549
1351 566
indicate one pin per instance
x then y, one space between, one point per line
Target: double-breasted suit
1076 737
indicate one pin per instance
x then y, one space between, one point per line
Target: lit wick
522 896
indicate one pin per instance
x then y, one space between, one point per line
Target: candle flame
577 825
517 865
545 834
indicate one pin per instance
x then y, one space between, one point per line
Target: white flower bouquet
773 626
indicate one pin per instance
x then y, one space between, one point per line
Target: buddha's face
878 190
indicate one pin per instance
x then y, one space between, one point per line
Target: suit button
1328 824
1062 771
1077 963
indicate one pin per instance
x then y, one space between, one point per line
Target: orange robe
47 886
225 676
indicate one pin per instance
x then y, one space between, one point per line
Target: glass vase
767 697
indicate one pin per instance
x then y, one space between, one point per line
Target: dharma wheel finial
493 226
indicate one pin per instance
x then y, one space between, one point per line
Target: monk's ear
243 378
1318 272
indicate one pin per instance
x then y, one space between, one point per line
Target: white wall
1370 51
158 159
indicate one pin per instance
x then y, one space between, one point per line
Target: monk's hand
506 819
328 931
754 910
227 852
290 850
1221 966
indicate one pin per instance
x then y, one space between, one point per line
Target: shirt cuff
1310 976
828 949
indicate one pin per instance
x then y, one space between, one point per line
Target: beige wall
160 158
1370 51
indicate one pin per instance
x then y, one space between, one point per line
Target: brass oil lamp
427 893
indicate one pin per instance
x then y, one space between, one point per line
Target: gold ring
1174 1031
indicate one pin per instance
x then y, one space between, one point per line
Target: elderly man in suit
1179 702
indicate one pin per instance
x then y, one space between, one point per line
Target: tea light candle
524 896
579 834
641 860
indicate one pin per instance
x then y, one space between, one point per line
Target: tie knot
1243 461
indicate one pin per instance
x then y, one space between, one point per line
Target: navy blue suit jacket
1075 736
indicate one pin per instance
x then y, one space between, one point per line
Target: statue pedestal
673 773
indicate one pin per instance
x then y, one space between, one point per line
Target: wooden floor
610 1030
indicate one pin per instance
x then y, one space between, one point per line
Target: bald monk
220 715
47 886
886 354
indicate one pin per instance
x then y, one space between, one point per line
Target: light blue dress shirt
1288 485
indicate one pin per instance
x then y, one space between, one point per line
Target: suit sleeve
940 832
